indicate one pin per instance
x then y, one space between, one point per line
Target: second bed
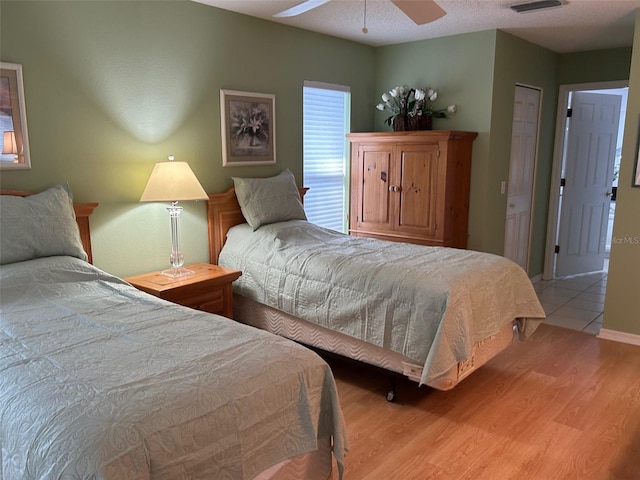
433 314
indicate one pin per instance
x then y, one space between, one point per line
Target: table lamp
9 145
173 181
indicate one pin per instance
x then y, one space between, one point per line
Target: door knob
609 193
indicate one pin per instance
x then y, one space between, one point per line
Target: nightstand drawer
211 301
215 306
194 294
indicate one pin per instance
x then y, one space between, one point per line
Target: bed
101 381
432 314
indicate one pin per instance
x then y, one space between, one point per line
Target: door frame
553 216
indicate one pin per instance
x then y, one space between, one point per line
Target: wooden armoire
411 186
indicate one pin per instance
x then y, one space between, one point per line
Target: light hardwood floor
560 405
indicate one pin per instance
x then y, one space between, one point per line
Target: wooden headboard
83 211
223 212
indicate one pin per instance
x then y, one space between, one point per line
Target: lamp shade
9 145
172 182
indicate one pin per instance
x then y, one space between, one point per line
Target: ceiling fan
420 11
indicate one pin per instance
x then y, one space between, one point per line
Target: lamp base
177 272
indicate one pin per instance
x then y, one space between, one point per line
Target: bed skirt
253 313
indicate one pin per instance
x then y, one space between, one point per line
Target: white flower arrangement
411 102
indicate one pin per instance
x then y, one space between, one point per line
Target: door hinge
569 112
563 182
557 249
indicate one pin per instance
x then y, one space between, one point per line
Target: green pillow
269 200
40 225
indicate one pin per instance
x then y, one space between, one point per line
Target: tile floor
574 302
577 302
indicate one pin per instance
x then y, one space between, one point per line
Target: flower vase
420 122
400 123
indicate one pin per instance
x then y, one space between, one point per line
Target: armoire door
417 199
372 193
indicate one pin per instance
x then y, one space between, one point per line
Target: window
326 120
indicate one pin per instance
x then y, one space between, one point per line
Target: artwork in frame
248 122
14 153
636 172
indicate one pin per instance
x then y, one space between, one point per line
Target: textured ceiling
578 25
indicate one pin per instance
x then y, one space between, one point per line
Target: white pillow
40 225
269 200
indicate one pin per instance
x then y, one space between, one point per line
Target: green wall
595 66
478 72
113 87
523 63
622 301
461 69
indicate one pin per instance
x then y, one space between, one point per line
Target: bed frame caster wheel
391 395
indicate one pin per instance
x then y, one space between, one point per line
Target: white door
588 175
524 141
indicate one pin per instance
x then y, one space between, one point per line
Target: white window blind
326 120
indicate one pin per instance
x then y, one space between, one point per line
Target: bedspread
101 381
428 303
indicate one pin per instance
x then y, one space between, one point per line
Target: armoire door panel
374 198
418 192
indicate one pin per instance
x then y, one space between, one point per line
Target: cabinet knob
394 188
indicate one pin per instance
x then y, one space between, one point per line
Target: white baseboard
621 337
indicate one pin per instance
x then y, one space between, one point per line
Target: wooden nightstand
208 289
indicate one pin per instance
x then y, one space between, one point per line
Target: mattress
99 380
429 304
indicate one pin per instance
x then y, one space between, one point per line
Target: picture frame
14 138
248 123
636 170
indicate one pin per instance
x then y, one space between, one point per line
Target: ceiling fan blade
301 8
420 11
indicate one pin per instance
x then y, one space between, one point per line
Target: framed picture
14 153
248 128
636 171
